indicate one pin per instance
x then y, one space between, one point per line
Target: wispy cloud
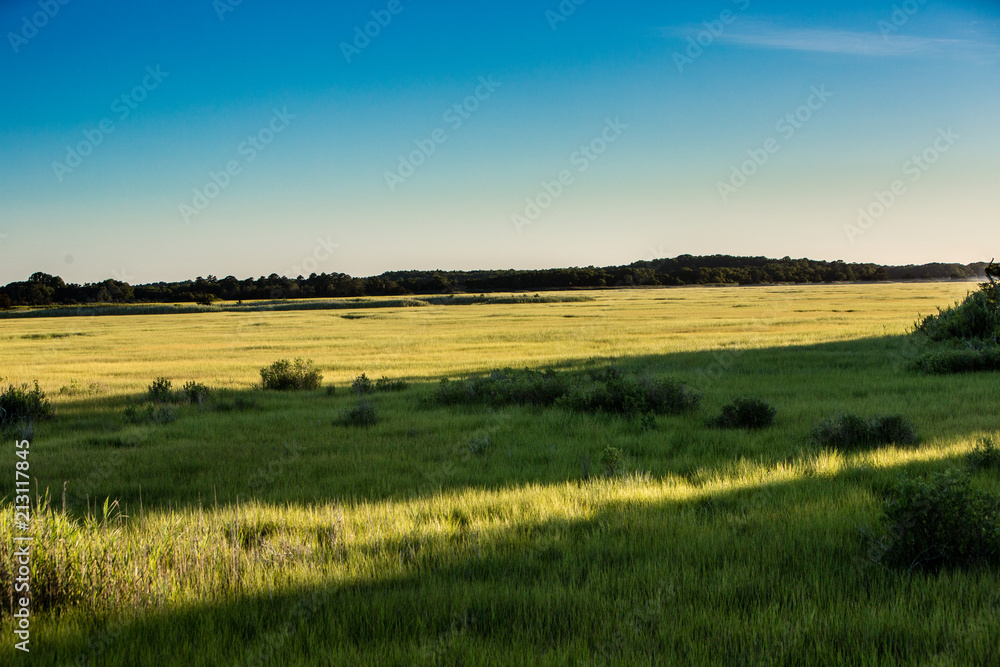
839 41
756 35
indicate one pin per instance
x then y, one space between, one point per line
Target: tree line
42 289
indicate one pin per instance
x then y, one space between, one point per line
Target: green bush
847 432
21 403
362 414
893 430
966 359
385 384
480 446
976 318
503 387
363 385
631 395
196 393
285 375
159 390
939 523
985 455
751 413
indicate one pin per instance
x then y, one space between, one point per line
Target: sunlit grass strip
110 562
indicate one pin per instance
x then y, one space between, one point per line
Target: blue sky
160 141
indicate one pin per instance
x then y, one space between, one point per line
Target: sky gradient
162 141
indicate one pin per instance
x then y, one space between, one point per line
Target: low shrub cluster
196 393
285 375
503 387
74 388
22 403
623 394
847 432
941 522
750 413
361 414
967 334
364 385
964 359
386 384
976 318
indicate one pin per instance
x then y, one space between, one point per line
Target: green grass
271 533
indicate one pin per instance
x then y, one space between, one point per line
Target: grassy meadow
258 529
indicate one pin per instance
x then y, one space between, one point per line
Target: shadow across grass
771 573
293 447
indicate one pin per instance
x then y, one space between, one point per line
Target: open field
260 530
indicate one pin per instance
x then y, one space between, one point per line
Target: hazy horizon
159 142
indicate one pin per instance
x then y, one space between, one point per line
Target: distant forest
42 289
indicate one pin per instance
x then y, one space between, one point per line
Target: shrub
848 432
159 390
21 403
751 413
985 455
972 328
939 523
363 385
503 387
74 388
630 395
976 318
385 384
611 459
893 430
967 359
195 392
480 446
284 375
362 414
